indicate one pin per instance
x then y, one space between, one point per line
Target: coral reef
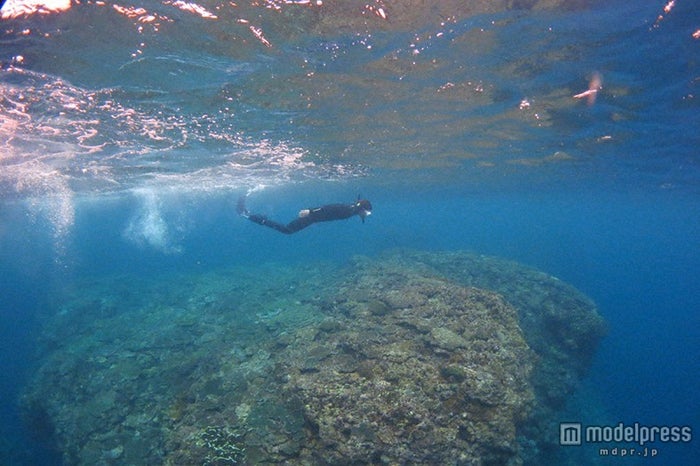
559 323
423 371
221 445
413 357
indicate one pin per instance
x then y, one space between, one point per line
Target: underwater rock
447 339
432 358
388 393
559 323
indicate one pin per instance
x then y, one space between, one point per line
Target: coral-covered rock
391 391
432 358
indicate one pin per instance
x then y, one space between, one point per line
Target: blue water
124 144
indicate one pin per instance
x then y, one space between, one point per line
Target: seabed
408 358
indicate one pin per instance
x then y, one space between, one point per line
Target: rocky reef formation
423 358
560 324
412 369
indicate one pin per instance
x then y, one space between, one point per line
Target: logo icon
569 433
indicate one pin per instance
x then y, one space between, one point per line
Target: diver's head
364 208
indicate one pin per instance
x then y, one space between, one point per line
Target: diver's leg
299 223
291 227
262 220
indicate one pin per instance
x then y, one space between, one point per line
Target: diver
326 213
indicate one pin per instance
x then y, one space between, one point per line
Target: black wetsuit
324 213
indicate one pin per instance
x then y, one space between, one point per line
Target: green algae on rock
413 357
